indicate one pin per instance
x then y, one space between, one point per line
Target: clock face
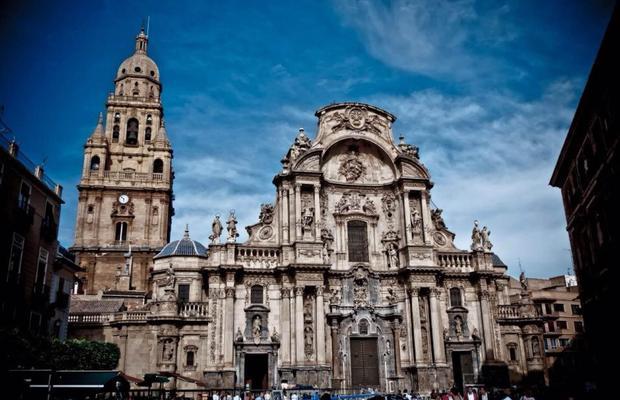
123 198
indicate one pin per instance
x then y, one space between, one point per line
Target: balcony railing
130 176
142 99
455 261
258 257
516 311
88 318
194 310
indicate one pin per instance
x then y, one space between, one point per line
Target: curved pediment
310 162
357 161
412 169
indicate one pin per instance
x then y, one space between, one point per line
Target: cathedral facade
349 278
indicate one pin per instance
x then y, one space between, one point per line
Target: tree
23 350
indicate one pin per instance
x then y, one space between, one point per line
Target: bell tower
125 192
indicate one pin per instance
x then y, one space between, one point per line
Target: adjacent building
588 173
37 275
557 301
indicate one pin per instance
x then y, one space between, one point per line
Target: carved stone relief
351 167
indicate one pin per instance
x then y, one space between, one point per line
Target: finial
100 120
402 139
186 234
301 130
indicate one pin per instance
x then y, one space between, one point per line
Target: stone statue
484 236
334 299
231 226
167 350
369 207
170 280
328 239
266 213
307 218
476 238
458 326
475 335
391 297
535 347
216 229
256 327
392 252
416 220
275 336
522 280
239 336
438 219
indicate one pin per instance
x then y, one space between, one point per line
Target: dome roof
139 64
185 247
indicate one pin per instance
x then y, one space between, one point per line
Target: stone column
426 217
396 330
229 327
417 325
291 213
487 331
299 323
335 361
298 211
407 217
285 216
285 313
317 213
435 314
320 326
292 323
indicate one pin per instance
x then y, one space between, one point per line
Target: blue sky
486 89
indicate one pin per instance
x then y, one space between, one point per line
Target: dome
139 64
185 247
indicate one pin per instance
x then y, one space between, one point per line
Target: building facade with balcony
37 275
350 278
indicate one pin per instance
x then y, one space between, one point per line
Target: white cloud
431 37
491 156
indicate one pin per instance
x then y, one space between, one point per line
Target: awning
94 381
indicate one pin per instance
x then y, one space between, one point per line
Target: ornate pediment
355 202
358 118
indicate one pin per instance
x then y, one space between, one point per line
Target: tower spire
142 41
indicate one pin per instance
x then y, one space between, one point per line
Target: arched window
158 166
358 241
256 294
121 232
147 134
117 118
455 297
363 327
116 133
136 90
149 119
132 131
94 163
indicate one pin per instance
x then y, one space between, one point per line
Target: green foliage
22 350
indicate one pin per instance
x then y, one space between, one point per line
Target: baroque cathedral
349 278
